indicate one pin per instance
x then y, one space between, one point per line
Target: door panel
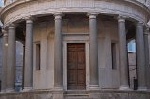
76 71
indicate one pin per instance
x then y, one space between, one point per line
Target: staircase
78 94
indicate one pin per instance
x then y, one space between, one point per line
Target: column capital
29 19
5 34
92 15
146 30
11 26
121 18
140 23
58 15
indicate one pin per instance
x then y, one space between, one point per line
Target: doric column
93 59
123 54
58 70
146 48
23 66
11 60
140 57
28 69
4 60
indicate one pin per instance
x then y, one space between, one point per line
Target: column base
58 93
93 91
93 87
124 87
57 89
25 89
142 89
10 90
3 91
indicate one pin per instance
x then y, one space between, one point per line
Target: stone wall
132 68
19 66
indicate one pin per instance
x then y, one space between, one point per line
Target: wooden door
76 71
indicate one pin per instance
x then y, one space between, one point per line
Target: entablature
23 8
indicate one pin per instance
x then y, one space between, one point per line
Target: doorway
76 68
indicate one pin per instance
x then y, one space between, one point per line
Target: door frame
65 62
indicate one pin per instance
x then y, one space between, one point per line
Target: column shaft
28 69
93 59
11 62
58 70
4 60
23 66
123 54
146 48
140 57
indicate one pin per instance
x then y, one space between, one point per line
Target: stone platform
100 94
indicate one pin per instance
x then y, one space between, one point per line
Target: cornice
18 2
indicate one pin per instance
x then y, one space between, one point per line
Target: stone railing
141 1
7 2
145 2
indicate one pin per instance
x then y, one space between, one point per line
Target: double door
76 69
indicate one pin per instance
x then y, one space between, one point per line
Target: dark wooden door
76 71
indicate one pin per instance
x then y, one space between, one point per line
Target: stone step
76 92
77 98
76 95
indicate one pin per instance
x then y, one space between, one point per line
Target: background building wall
19 64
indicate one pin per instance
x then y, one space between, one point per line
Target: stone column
123 54
58 70
11 60
4 60
28 69
146 48
23 68
140 57
93 52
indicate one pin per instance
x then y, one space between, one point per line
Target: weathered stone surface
101 94
27 95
